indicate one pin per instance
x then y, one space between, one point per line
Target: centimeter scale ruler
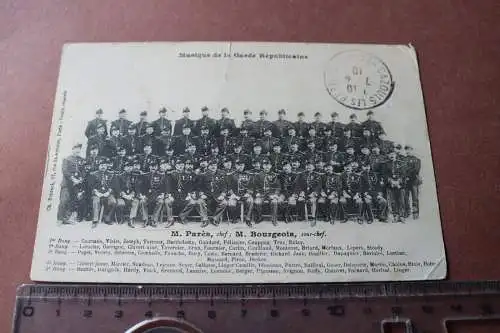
415 307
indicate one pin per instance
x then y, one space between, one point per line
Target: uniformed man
377 161
142 124
354 126
245 140
328 139
179 193
162 141
92 125
367 139
205 122
215 156
224 142
348 140
374 203
386 146
313 137
122 123
128 185
191 155
291 139
214 187
308 187
184 122
350 156
242 187
266 188
147 138
169 156
225 123
372 125
112 143
301 126
400 153
120 160
394 174
288 190
296 166
277 158
147 158
153 190
98 139
267 141
247 124
184 140
331 191
281 126
318 125
336 127
412 182
162 124
193 198
335 158
364 157
262 125
103 200
232 199
295 154
72 187
351 199
239 155
131 142
257 155
204 141
312 154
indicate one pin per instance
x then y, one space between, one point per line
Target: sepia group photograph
151 138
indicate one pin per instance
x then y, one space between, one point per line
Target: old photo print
238 162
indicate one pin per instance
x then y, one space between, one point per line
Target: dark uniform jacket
181 142
302 129
129 183
336 128
181 123
225 123
332 183
241 183
351 183
266 183
364 159
161 144
267 143
296 155
319 127
122 125
204 144
356 129
145 160
277 160
371 183
309 182
97 140
249 125
246 142
153 185
207 122
119 163
377 162
394 172
280 128
131 144
213 183
146 139
288 141
412 169
288 183
100 181
141 128
260 126
386 146
224 144
373 126
91 163
335 158
160 125
91 129
111 146
71 168
346 141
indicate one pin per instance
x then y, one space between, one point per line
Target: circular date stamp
358 80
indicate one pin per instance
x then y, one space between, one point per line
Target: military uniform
146 160
181 123
146 140
267 142
119 162
412 184
192 198
351 199
355 128
288 141
261 126
181 142
226 123
141 127
308 187
328 202
102 197
161 125
318 126
277 160
131 144
288 190
224 144
249 126
153 191
162 143
302 129
394 174
337 128
111 146
281 127
372 187
335 158
266 187
72 188
373 126
92 125
128 188
241 185
98 141
206 122
204 144
122 125
213 185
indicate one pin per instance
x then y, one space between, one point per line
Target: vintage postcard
228 162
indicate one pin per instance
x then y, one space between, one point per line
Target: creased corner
438 271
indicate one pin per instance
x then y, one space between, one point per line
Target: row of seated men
145 187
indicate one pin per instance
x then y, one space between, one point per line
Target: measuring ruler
415 307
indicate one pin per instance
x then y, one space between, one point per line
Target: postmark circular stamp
358 80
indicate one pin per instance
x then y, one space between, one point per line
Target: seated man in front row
266 187
103 200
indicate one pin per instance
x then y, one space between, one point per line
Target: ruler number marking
28 311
